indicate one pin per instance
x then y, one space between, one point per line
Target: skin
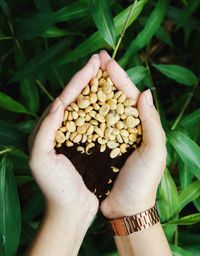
63 228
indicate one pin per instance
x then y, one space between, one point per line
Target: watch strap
128 225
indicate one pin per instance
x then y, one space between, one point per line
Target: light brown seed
103 126
110 119
73 135
83 129
120 125
98 131
120 108
95 137
123 148
88 109
81 113
104 109
123 116
115 131
80 121
114 169
63 129
84 138
77 138
60 137
75 106
86 90
131 111
69 143
112 144
133 130
105 74
109 181
102 141
108 192
90 130
125 139
132 137
70 117
81 149
122 98
93 113
94 122
58 145
109 81
114 152
119 138
101 82
69 108
100 118
71 127
88 117
107 88
102 148
130 121
65 115
129 102
75 115
99 74
96 106
108 132
101 96
88 148
112 103
112 137
109 95
118 94
67 135
83 103
124 133
139 129
93 97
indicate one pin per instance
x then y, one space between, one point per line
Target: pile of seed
101 115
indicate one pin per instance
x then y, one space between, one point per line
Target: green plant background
42 44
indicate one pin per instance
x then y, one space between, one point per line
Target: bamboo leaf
10 104
191 119
187 220
179 251
10 220
187 149
11 136
102 17
168 200
95 41
38 63
179 74
137 74
152 25
189 194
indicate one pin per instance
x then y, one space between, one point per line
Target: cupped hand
136 185
58 179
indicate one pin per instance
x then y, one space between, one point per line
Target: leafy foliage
43 44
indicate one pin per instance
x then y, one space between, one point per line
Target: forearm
150 241
61 233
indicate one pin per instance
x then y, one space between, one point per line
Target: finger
45 138
153 133
121 80
104 58
80 80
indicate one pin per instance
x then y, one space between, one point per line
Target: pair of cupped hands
136 185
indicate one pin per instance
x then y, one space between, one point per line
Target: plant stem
3 151
123 30
190 95
153 88
44 90
176 236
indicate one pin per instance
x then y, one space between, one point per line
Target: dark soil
95 169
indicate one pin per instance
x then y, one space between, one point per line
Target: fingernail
103 51
149 98
55 105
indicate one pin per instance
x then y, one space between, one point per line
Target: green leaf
10 220
8 103
190 242
178 251
187 149
76 10
179 74
101 14
189 194
11 136
168 200
40 62
187 220
95 41
189 10
36 25
191 119
21 180
137 74
152 25
164 36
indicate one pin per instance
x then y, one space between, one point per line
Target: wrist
114 210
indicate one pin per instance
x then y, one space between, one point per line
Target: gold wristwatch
127 225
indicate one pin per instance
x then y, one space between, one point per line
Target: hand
58 179
136 185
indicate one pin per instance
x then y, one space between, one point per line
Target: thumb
153 133
45 138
